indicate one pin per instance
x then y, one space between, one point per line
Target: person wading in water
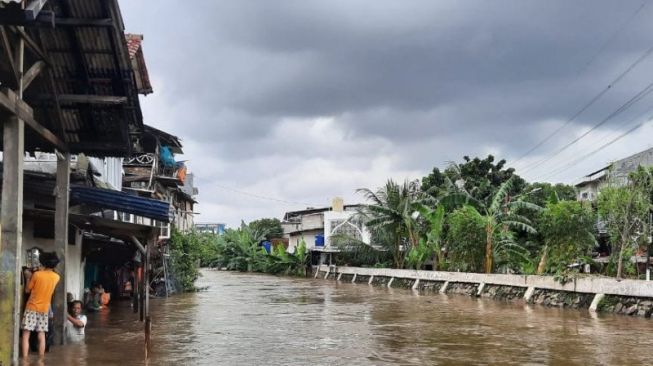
40 287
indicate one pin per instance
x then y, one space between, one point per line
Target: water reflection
262 320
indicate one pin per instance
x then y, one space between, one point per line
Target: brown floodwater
246 319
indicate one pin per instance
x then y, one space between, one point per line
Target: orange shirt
41 287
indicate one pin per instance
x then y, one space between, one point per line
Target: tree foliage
543 193
481 178
624 209
271 227
501 216
185 253
391 214
466 240
568 231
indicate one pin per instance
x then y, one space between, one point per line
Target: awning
124 231
120 201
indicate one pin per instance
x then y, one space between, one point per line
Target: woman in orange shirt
40 287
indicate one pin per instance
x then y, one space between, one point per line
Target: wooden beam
11 219
80 22
62 194
148 322
6 45
32 73
10 102
88 99
138 244
29 42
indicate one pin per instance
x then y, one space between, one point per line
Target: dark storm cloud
412 84
248 63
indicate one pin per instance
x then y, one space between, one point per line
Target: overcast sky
301 101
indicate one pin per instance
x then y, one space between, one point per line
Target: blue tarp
120 201
167 157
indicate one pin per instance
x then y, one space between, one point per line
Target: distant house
318 226
212 228
616 172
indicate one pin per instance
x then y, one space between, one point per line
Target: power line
641 94
588 104
555 171
613 37
631 130
265 197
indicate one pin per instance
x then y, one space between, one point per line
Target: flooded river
245 319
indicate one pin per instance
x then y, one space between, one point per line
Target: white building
318 227
617 172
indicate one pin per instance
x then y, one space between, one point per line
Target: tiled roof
135 47
133 44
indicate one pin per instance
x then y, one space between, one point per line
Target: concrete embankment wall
630 297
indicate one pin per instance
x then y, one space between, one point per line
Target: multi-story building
155 173
615 173
318 227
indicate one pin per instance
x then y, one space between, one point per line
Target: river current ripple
249 319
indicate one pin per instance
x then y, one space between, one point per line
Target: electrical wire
603 137
265 197
580 159
641 94
616 80
613 37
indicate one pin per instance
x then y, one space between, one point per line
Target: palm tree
391 213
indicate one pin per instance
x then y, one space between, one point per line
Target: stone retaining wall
380 281
563 299
362 279
402 283
504 292
627 305
346 277
462 288
429 286
629 297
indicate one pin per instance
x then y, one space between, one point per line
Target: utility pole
648 247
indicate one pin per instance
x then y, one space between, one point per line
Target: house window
164 229
123 216
584 195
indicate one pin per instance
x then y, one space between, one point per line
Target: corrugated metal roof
85 59
120 201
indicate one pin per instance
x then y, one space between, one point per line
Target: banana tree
435 220
500 216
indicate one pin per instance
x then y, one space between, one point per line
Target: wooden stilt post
11 218
11 221
141 292
60 307
148 323
136 289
